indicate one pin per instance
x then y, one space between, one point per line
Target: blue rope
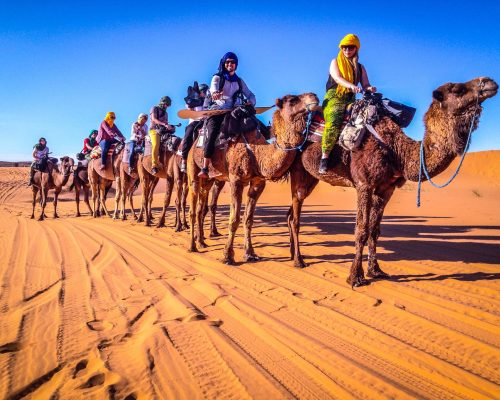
423 167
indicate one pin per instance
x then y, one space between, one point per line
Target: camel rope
423 167
305 132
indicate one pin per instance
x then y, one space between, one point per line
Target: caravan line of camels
375 171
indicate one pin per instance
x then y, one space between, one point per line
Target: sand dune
109 309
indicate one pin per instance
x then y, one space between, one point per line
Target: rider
40 154
138 132
159 126
227 90
346 73
194 101
107 135
89 142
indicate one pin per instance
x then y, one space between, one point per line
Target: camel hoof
203 245
140 219
160 225
377 274
178 229
78 215
193 249
32 217
56 216
358 282
229 261
299 264
252 258
40 219
215 234
185 226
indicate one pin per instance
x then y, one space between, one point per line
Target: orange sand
100 309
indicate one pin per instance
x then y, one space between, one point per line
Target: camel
54 178
99 180
249 160
170 171
81 183
378 168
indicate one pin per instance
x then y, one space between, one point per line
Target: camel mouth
489 89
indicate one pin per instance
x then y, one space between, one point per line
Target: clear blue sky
63 65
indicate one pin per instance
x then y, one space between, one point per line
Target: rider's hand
372 89
356 89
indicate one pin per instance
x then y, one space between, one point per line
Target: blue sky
64 65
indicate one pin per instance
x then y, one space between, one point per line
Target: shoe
323 165
154 171
183 166
203 173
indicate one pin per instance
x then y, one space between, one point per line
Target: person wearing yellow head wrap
107 135
346 73
110 118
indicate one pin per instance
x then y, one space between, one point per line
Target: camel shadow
408 238
472 277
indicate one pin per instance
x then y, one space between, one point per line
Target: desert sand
96 308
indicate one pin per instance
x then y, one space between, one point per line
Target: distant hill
15 163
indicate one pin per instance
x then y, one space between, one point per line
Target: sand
96 308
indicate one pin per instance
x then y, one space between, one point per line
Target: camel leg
151 192
131 200
234 220
204 190
302 185
254 191
215 192
118 196
95 195
178 203
56 196
125 189
193 203
34 190
102 197
166 201
77 200
356 275
43 202
185 193
146 204
379 201
86 198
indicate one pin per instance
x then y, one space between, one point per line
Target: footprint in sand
79 367
10 347
95 380
99 325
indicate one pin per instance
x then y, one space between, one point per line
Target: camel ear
438 95
279 103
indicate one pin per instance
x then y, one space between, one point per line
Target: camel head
290 119
67 164
453 107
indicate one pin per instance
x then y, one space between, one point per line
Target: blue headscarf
222 67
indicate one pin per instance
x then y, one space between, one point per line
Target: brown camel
100 179
170 171
378 168
250 160
81 184
55 177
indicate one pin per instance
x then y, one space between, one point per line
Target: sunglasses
113 117
350 47
230 62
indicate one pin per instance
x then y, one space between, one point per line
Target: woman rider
89 142
224 96
345 75
107 135
40 155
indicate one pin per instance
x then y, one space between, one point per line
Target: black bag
399 113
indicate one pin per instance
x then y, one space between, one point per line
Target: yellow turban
346 67
110 121
350 40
